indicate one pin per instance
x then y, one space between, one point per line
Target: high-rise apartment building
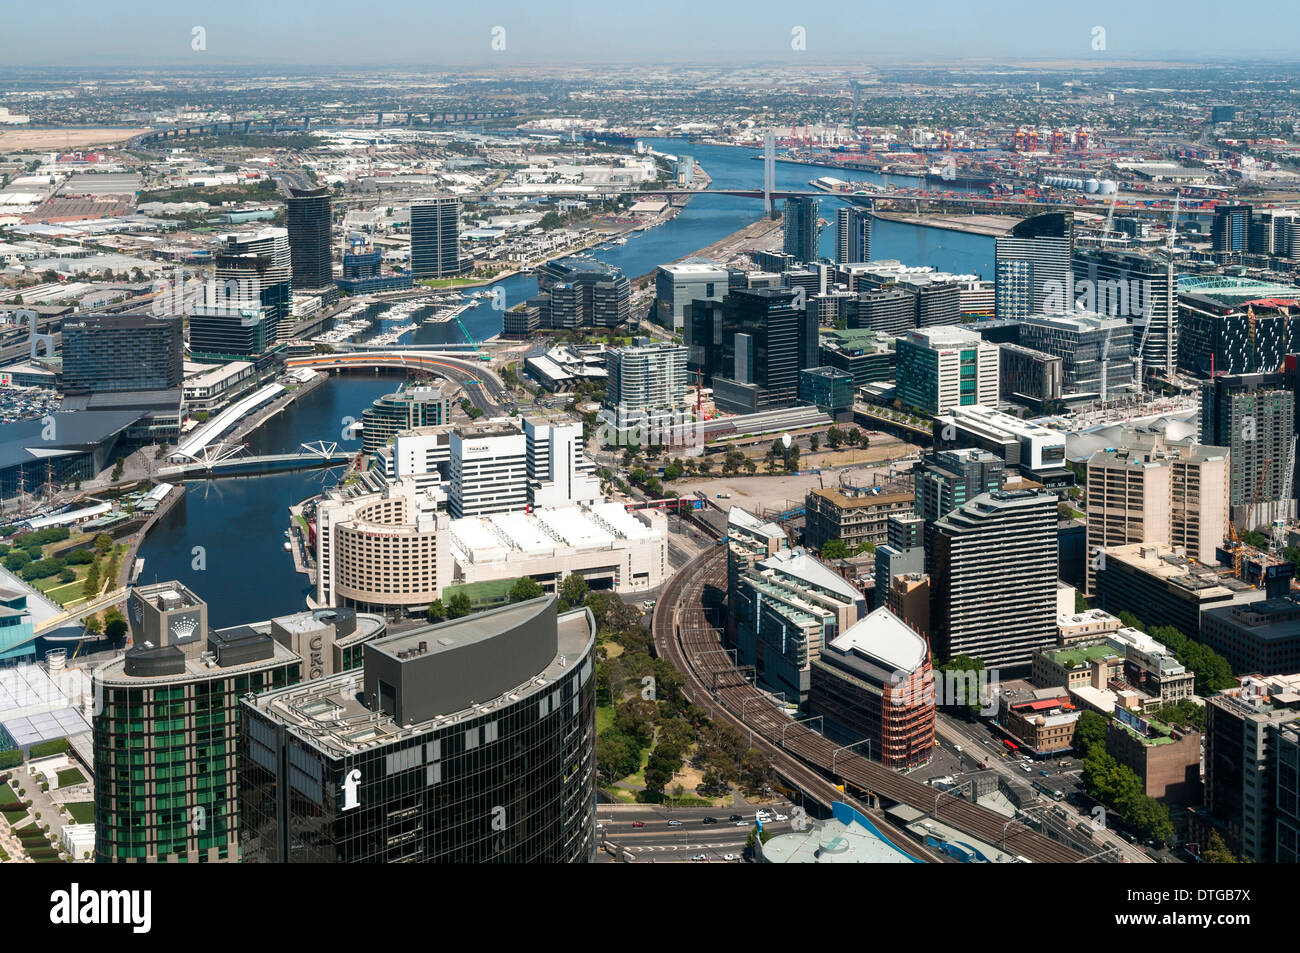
944 367
166 733
472 741
1032 261
1230 230
646 376
308 212
852 234
435 236
121 352
1153 489
993 588
585 292
1253 415
947 479
802 228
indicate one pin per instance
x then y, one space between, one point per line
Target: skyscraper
309 238
766 341
255 270
121 352
435 236
1032 261
1253 415
993 588
853 234
1139 288
166 734
801 228
472 741
1230 230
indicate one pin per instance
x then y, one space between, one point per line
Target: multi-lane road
657 833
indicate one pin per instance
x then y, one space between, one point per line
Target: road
654 840
980 747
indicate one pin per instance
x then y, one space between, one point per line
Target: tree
16 559
526 588
437 611
574 590
1089 730
1217 852
459 606
92 579
834 549
834 438
1080 602
114 625
814 442
93 625
103 543
117 469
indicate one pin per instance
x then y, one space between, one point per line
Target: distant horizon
332 35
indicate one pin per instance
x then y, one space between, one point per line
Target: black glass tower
309 238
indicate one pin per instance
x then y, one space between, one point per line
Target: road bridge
482 386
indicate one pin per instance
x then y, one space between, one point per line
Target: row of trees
1213 673
1116 785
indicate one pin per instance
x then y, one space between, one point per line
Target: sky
433 34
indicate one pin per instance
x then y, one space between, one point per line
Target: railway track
686 636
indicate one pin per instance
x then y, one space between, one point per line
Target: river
240 566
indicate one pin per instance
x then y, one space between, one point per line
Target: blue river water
225 539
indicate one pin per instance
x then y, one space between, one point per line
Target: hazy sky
91 33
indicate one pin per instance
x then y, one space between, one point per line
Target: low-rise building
1041 720
1167 760
1262 636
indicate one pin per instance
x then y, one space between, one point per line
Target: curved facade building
470 741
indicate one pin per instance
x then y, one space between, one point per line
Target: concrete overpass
481 384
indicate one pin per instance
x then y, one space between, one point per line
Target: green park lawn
83 812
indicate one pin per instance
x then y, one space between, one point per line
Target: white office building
677 285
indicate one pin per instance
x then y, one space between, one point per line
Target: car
735 817
1027 769
731 857
638 823
703 857
742 823
709 820
762 816
957 748
781 817
674 823
1045 773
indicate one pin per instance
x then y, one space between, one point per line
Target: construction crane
1169 284
1278 542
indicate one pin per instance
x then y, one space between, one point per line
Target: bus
1044 789
1011 745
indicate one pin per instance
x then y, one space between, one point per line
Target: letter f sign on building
350 783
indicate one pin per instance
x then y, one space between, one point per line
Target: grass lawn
83 812
604 719
3 856
13 817
70 776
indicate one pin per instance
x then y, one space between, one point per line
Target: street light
958 788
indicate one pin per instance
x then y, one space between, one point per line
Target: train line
686 636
